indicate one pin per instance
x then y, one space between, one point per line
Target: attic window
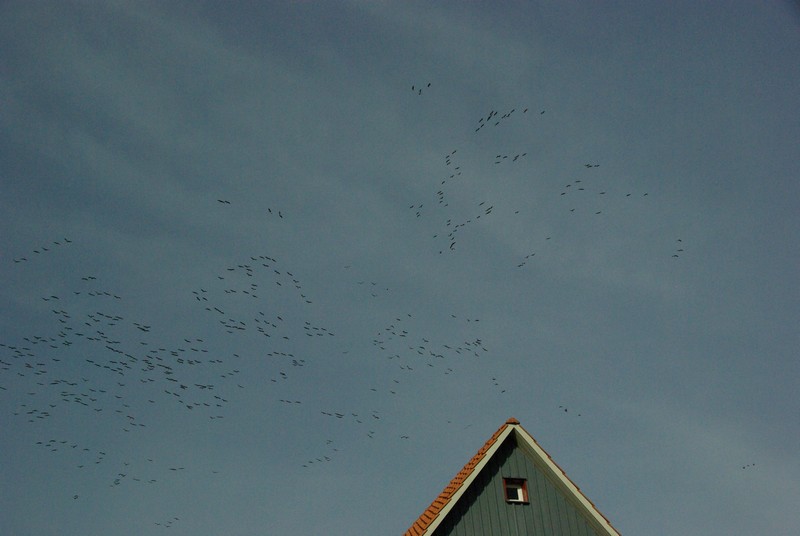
516 490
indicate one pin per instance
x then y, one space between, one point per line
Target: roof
436 512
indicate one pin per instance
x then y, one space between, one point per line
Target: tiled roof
429 515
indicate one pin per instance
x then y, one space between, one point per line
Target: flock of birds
41 250
588 194
127 363
104 362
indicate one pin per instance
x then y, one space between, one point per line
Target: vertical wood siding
483 511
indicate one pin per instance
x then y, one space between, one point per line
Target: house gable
476 502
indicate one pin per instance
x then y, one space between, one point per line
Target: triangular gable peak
555 501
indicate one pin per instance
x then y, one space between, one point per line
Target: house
511 487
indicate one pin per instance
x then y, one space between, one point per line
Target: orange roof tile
428 516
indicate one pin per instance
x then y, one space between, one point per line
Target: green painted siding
483 511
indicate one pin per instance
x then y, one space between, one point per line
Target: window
516 490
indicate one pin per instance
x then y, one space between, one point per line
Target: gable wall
483 511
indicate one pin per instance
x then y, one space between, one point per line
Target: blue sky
255 283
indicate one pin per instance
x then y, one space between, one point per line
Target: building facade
511 487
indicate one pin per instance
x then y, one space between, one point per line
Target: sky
284 267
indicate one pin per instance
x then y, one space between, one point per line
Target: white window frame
515 490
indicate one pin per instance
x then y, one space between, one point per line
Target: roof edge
566 481
454 498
